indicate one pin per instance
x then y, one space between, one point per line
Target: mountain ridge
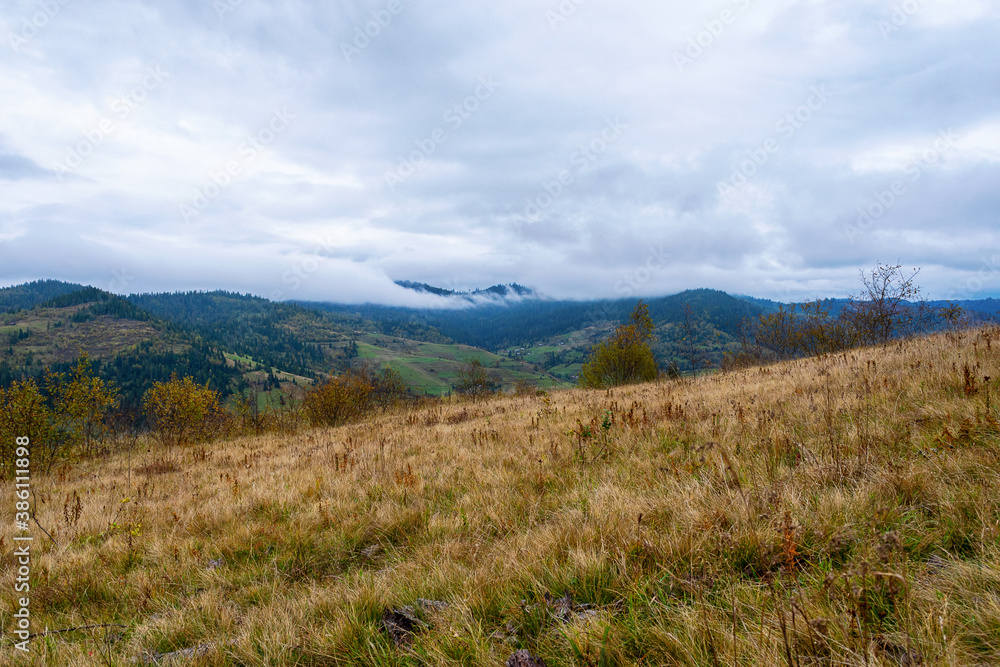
493 294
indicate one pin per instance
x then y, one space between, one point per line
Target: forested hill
275 335
232 342
29 295
228 315
293 337
495 327
45 325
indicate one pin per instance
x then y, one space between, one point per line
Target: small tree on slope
625 357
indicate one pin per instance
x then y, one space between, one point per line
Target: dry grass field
834 511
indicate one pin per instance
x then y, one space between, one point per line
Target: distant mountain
424 287
766 305
495 325
985 310
556 335
496 293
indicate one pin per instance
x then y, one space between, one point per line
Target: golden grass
834 511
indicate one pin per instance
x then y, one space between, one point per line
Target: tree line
888 306
77 414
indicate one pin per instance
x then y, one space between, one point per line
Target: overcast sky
321 150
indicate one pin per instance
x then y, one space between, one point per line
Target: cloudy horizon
313 151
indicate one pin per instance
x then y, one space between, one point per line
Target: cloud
522 184
14 167
17 167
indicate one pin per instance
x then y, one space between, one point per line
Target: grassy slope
862 487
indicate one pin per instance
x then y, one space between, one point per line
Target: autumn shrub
25 414
475 381
181 411
888 307
805 329
388 387
625 358
353 394
81 403
64 415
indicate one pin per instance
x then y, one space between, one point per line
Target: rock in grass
524 659
431 605
899 654
401 624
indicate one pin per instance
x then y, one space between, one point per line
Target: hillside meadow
842 510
